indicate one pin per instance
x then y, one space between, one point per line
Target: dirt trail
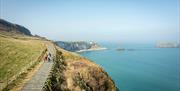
37 81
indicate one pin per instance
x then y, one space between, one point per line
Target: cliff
13 28
71 72
78 46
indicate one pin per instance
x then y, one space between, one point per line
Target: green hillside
17 54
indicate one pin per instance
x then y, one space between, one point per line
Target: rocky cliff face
77 46
13 28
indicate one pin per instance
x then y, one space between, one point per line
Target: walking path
38 80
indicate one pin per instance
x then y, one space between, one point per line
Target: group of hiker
47 57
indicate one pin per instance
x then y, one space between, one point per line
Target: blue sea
145 68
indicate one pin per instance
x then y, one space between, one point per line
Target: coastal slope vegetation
71 72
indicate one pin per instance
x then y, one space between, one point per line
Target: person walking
45 58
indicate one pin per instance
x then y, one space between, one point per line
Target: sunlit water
145 68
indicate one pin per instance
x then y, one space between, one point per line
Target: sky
143 21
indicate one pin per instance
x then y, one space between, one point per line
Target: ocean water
145 68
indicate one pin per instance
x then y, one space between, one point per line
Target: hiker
50 54
45 58
49 59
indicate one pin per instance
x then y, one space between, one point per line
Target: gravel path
37 81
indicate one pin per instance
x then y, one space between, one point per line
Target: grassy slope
17 54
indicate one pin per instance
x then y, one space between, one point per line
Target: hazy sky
98 20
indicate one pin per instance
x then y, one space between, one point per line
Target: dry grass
17 54
71 72
26 78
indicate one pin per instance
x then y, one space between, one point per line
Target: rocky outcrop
78 46
13 28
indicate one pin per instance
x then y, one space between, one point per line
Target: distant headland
80 46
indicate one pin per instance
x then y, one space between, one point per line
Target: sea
140 67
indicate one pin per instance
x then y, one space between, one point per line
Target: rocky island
79 46
167 45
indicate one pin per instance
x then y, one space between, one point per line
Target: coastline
92 49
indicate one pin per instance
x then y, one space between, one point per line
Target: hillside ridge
13 28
